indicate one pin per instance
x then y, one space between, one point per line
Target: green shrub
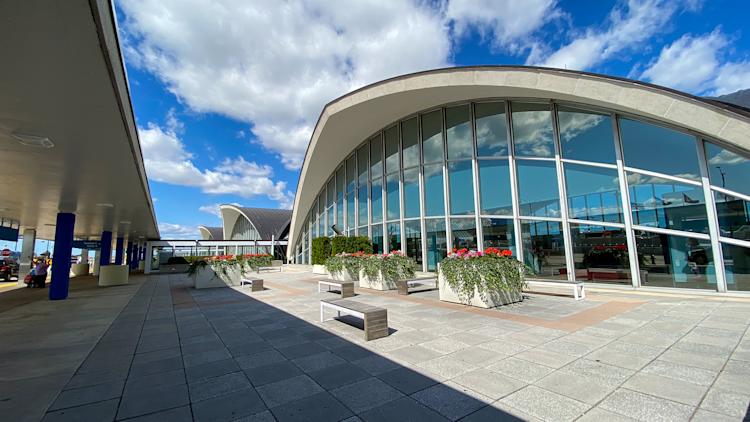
350 244
321 250
393 266
339 244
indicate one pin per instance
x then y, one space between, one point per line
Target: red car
8 269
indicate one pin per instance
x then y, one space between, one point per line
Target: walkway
159 350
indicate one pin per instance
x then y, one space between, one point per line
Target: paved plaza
159 350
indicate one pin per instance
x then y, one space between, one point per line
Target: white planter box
376 283
113 275
77 270
488 300
206 277
319 269
343 275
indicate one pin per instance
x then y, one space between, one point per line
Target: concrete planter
344 275
113 275
207 278
174 268
77 270
376 283
487 300
319 269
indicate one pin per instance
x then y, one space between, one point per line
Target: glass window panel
340 214
330 215
393 210
322 202
377 238
376 212
532 130
363 165
734 216
330 191
410 141
411 193
537 188
737 267
376 155
464 233
585 135
600 254
432 136
413 239
340 183
351 173
593 193
494 187
391 149
498 233
351 210
434 199
728 169
675 261
458 131
658 202
436 242
492 129
544 249
646 146
362 210
461 187
394 236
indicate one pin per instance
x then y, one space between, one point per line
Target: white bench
579 292
256 284
345 287
276 264
403 286
375 318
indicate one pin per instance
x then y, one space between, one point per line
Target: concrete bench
345 287
579 292
256 284
375 318
276 265
403 286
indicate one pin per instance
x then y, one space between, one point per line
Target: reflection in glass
734 216
537 188
413 240
436 241
593 193
340 183
737 265
532 130
411 193
492 129
432 136
646 146
494 187
600 254
464 233
410 141
351 173
330 192
330 215
376 210
585 135
351 210
393 210
391 149
362 165
394 236
728 169
544 249
458 131
461 187
498 233
434 199
675 261
377 238
340 214
658 202
376 155
362 206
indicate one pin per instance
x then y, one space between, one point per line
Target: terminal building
583 176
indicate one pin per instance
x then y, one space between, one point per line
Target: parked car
8 269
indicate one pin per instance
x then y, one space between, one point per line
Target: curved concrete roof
348 120
211 233
268 222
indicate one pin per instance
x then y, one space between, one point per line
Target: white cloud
626 28
274 65
214 209
167 161
694 64
178 231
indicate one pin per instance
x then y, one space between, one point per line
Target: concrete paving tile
520 369
668 388
318 407
152 400
414 354
175 377
611 376
470 338
94 378
352 352
504 347
451 400
726 402
156 367
205 357
598 414
218 386
476 356
567 347
177 414
615 358
579 387
141 358
265 416
546 358
212 369
667 369
289 389
318 361
99 411
488 383
702 415
366 394
444 345
402 409
259 359
544 404
498 412
338 375
301 350
644 407
232 406
446 367
86 395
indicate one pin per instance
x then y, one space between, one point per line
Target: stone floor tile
668 388
317 407
692 374
232 406
402 409
178 414
301 350
352 352
259 359
318 361
583 388
727 402
489 383
497 412
504 347
366 394
408 381
414 354
682 357
152 400
544 404
265 416
274 372
446 367
218 386
644 407
476 356
444 345
451 400
156 367
469 338
598 414
289 389
175 377
546 358
99 411
86 395
338 375
210 370
94 378
520 369
208 356
702 415
608 375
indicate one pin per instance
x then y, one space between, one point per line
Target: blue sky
226 92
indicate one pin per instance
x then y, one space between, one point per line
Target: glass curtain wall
590 191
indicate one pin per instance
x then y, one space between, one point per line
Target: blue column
129 254
143 253
134 257
62 252
105 257
119 243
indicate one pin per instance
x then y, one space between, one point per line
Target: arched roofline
230 213
205 233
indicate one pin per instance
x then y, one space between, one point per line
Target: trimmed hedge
326 247
321 250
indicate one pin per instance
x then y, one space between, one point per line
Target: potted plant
216 271
482 279
380 272
344 266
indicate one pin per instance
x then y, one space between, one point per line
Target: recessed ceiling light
105 205
33 140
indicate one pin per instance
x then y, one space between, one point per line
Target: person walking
40 273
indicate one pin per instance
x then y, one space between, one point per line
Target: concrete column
61 256
27 254
119 244
97 258
106 253
84 256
